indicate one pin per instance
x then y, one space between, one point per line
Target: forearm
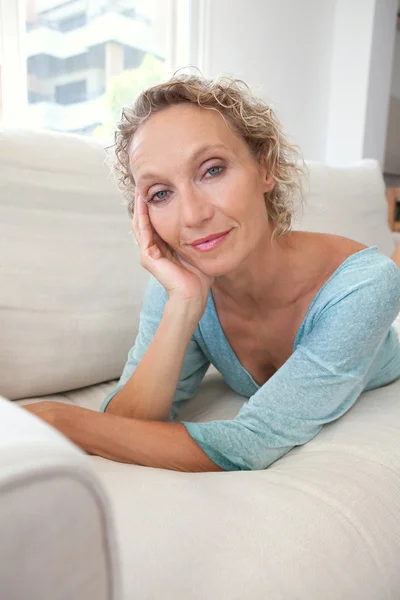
149 393
149 443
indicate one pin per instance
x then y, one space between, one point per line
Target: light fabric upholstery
68 287
322 522
57 533
348 201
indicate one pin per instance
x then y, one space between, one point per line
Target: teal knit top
346 344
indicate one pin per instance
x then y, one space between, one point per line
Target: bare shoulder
330 249
320 254
343 245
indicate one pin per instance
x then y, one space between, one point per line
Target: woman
298 322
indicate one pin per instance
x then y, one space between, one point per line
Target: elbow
197 460
234 446
205 465
122 406
115 408
111 404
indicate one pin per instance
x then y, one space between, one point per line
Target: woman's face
199 178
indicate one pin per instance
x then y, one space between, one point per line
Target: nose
196 207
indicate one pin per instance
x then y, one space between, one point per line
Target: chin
218 267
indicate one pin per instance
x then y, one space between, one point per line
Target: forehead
178 129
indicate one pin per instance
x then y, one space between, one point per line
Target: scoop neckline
226 342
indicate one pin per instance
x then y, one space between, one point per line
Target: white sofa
321 523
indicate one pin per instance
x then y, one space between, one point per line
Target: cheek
242 185
163 225
245 199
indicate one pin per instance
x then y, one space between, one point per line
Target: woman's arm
151 375
143 440
319 382
149 392
149 443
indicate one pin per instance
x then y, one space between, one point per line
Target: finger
160 242
144 224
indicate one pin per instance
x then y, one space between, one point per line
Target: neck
268 279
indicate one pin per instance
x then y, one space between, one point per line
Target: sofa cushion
348 201
71 284
289 531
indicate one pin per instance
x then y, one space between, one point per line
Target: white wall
282 48
323 64
353 26
380 77
392 150
362 56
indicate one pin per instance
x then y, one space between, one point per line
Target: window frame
13 64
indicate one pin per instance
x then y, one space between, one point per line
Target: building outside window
83 59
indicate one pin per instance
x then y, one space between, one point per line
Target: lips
208 238
213 243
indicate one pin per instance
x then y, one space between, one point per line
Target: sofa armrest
57 537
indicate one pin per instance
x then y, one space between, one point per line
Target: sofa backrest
348 201
71 285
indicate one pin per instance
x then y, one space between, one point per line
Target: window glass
87 58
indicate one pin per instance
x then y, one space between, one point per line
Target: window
69 93
75 63
70 23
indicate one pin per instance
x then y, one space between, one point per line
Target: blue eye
216 171
156 196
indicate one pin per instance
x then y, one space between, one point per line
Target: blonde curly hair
249 116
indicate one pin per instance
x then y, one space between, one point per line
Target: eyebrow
192 158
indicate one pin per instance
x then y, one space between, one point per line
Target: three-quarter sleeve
319 382
195 363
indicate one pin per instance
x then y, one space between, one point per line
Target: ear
268 180
269 183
